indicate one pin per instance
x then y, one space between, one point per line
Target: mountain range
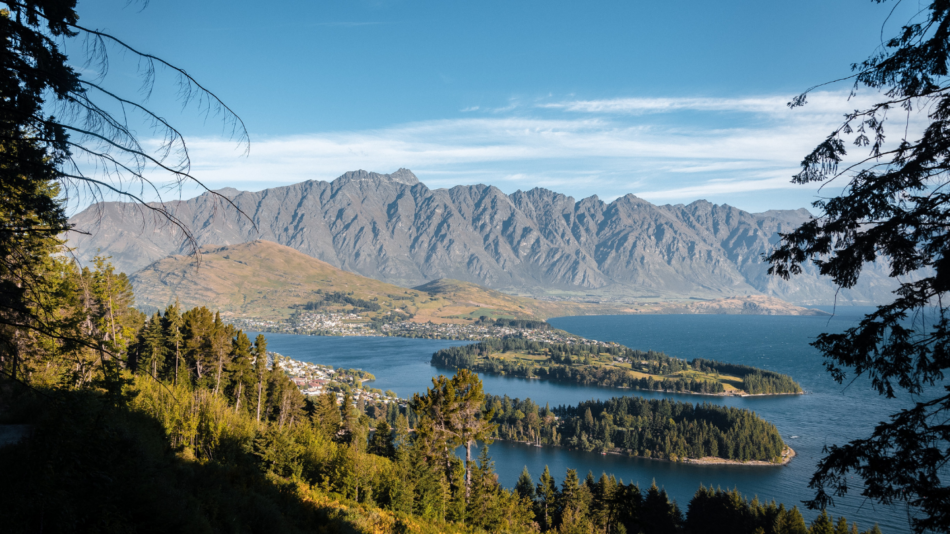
393 228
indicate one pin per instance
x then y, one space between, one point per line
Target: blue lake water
828 414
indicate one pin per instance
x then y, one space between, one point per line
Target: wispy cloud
496 140
579 148
719 187
818 102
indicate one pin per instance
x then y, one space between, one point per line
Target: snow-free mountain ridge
393 228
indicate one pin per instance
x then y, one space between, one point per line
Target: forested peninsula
613 365
656 429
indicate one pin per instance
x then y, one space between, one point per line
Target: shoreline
787 456
735 393
724 394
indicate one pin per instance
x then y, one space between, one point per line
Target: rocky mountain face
393 228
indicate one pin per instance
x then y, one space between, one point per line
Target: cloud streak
581 147
818 102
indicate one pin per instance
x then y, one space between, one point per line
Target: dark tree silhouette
894 209
67 133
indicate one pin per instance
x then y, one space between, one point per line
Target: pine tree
547 500
381 444
791 522
822 524
525 485
660 515
260 369
240 369
152 360
484 493
171 325
326 415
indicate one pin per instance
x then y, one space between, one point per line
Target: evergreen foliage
661 429
340 298
571 363
207 451
893 207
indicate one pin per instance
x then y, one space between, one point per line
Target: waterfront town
350 324
316 379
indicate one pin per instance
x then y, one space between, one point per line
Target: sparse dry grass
263 279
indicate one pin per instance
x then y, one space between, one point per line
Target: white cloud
818 102
719 187
578 147
458 143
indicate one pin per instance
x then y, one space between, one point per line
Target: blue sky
671 101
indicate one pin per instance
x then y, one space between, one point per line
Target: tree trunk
176 357
219 371
468 469
284 403
260 386
16 352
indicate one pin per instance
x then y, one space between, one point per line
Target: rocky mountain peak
402 176
538 241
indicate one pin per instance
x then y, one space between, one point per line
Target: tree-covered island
613 365
657 429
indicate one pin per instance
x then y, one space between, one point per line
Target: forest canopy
609 366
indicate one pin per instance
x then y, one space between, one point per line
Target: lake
827 414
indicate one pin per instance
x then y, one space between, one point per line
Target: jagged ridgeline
661 429
612 365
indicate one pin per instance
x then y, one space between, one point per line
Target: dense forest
597 364
606 505
661 429
178 422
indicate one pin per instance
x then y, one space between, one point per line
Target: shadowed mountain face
393 228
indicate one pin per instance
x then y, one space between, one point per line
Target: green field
732 384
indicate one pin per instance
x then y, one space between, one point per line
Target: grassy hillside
264 279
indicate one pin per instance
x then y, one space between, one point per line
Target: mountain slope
395 229
264 279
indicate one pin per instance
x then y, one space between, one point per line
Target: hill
393 228
262 279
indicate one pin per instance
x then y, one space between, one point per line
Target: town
316 379
350 324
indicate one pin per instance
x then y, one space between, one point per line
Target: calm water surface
829 413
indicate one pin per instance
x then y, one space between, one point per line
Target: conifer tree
791 522
548 498
153 349
381 444
240 370
660 515
260 369
525 485
893 209
822 524
171 324
574 499
326 416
